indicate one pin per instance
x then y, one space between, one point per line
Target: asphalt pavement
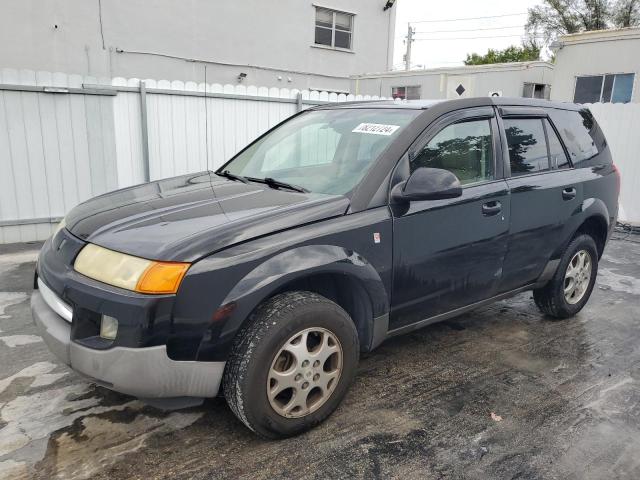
501 392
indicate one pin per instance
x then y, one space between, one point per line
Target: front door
448 254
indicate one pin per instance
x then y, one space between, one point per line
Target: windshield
322 151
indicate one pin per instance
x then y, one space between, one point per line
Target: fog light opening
108 327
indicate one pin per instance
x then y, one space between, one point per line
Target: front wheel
571 286
291 365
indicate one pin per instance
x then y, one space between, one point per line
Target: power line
472 38
470 18
470 29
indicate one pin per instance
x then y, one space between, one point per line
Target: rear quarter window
581 135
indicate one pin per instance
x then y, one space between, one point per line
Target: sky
446 48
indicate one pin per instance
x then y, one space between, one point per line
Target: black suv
340 227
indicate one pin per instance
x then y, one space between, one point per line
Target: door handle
491 208
569 193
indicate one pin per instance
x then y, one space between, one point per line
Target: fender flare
590 208
303 262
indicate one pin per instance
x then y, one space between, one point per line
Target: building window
536 90
333 28
614 88
406 93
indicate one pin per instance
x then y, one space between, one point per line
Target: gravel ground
501 392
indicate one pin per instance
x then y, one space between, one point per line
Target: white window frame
333 11
613 85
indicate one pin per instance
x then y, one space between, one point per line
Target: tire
262 349
551 298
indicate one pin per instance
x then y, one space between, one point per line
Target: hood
188 217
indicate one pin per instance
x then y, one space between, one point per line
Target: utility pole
407 55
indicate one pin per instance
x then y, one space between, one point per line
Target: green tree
513 53
561 17
626 13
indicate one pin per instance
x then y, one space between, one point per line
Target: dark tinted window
558 157
588 89
615 88
527 146
579 132
607 87
462 148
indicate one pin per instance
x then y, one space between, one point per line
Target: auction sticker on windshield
376 128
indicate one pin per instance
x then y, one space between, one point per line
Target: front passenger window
463 148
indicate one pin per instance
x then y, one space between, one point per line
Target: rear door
544 192
448 253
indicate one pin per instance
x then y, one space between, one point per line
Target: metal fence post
145 133
299 102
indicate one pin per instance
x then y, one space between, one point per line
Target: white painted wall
596 53
478 80
266 39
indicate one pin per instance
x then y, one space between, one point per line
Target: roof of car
455 103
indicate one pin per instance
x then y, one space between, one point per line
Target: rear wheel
291 365
571 286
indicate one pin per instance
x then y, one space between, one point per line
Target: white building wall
478 80
596 53
271 41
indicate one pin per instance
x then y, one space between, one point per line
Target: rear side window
558 157
527 145
580 134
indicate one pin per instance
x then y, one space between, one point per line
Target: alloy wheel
305 372
577 277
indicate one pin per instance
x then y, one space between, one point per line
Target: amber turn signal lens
161 277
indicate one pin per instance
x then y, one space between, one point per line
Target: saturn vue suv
340 227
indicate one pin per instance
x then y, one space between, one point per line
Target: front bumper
142 372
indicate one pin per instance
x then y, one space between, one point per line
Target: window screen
527 146
558 157
465 149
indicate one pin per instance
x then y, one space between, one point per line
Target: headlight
126 271
59 227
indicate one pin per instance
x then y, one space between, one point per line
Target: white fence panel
77 137
621 124
55 151
177 124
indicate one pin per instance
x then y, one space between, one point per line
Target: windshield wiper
273 183
231 176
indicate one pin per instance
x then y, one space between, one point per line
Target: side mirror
428 184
